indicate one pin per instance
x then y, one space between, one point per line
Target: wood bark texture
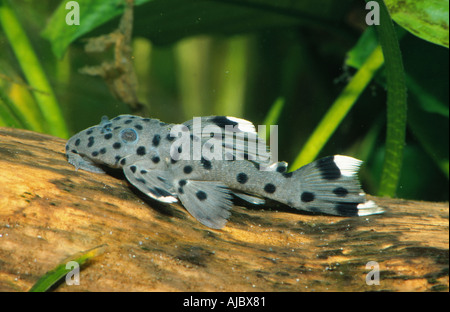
49 212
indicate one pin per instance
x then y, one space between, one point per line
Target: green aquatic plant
34 73
52 277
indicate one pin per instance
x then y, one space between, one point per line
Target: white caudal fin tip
369 208
347 165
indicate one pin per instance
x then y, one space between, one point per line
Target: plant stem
396 104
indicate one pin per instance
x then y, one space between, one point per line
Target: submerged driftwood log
49 211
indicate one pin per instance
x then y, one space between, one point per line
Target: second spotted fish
206 161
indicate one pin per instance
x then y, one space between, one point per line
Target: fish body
205 161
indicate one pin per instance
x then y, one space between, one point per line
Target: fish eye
128 135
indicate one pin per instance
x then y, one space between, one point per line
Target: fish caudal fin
330 185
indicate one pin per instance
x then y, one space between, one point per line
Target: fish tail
330 185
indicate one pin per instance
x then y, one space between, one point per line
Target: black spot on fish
182 183
347 209
128 121
170 138
161 192
281 168
287 174
146 120
108 136
201 195
187 169
77 142
242 178
107 126
156 159
141 180
328 168
133 169
340 191
307 197
143 171
102 150
91 141
139 127
270 188
89 132
123 161
140 151
206 163
117 118
156 139
223 121
117 145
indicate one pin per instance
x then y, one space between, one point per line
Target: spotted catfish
218 162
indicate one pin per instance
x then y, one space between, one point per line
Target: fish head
113 143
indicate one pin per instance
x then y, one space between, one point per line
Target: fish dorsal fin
154 183
208 201
239 138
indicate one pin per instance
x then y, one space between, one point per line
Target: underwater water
289 65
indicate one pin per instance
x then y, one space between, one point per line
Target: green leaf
53 276
93 13
272 117
362 49
428 19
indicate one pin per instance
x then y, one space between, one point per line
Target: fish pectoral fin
208 201
153 183
80 162
250 198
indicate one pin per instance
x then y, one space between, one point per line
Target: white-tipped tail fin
330 185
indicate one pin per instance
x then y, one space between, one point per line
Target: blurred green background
274 62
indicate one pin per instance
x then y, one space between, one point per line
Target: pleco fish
206 160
